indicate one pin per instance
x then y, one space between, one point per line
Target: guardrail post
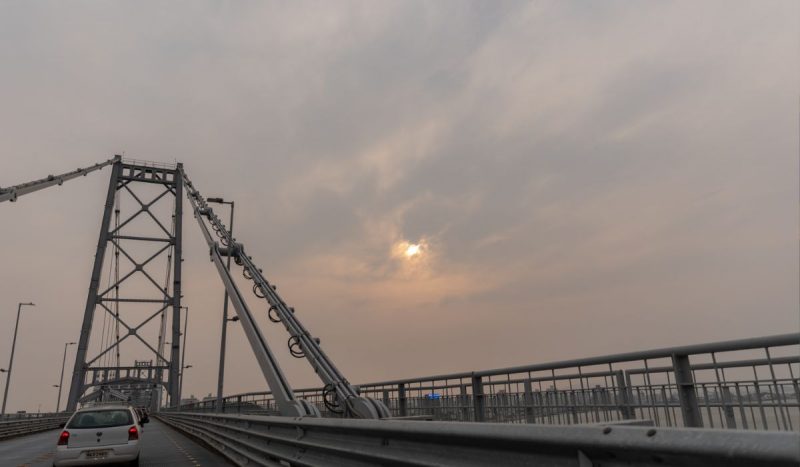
727 400
401 400
464 403
606 397
478 403
528 398
623 397
684 380
426 403
572 403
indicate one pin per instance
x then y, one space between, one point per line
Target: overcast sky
583 177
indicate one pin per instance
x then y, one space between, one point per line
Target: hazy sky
584 177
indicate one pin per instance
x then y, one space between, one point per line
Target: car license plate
97 454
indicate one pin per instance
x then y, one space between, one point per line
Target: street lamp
223 336
11 360
61 381
180 384
183 354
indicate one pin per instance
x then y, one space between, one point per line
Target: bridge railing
144 163
265 440
27 416
742 384
12 425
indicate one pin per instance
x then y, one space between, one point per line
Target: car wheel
135 462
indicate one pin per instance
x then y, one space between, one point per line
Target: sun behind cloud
406 250
413 250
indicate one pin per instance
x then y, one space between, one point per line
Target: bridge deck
161 446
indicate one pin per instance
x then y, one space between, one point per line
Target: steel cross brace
143 207
347 398
131 332
136 267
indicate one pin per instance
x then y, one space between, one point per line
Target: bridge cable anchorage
11 193
301 344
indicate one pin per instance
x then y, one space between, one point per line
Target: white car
100 435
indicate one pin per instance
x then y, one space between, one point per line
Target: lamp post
223 336
180 385
11 361
3 370
61 381
183 355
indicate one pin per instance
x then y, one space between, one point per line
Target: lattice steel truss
126 177
146 379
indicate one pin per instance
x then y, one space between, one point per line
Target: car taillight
63 438
133 434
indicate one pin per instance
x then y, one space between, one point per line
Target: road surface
162 446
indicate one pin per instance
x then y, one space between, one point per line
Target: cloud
588 178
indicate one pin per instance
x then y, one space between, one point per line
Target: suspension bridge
722 403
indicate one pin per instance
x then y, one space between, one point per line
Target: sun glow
413 253
413 250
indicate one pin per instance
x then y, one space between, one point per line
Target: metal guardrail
11 426
263 440
28 415
741 384
146 163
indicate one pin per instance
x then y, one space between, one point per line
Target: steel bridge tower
104 371
89 372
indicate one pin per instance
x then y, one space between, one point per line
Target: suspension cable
116 275
167 276
301 343
13 192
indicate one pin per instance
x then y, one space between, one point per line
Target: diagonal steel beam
144 207
143 323
127 221
114 346
137 267
131 331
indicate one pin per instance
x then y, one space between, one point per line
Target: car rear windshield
101 418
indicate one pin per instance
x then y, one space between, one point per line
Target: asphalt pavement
162 446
